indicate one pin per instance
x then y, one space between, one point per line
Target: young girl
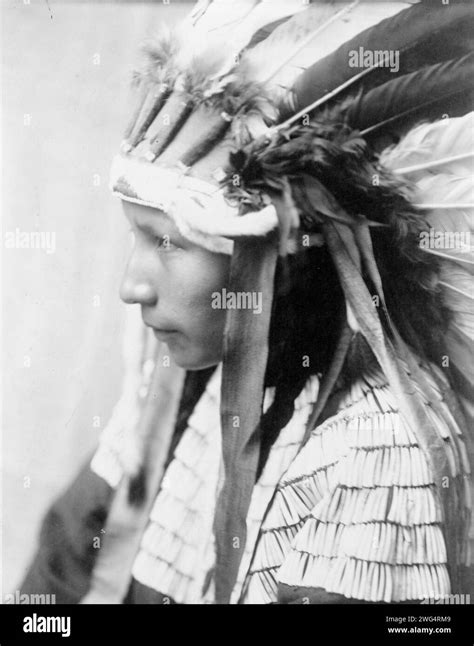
294 430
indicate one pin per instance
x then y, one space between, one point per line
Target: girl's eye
164 243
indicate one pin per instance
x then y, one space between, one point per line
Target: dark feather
421 34
265 32
406 94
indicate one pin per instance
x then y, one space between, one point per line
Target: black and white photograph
237 320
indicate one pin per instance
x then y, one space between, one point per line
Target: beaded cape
354 513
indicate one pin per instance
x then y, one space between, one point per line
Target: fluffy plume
326 159
156 55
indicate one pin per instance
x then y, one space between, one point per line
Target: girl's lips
159 331
162 333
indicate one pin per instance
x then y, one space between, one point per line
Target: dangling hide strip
245 358
126 523
329 380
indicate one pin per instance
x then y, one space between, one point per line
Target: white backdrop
65 75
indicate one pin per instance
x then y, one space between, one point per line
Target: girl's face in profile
173 280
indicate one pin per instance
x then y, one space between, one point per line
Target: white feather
309 36
222 29
446 188
428 143
438 157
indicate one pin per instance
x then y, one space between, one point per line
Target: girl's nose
136 288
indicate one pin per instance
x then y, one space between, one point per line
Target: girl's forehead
154 222
140 210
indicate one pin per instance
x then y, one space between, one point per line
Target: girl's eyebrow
149 228
160 230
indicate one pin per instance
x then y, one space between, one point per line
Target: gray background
52 318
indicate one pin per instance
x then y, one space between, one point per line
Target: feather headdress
272 128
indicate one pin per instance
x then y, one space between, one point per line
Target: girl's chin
191 360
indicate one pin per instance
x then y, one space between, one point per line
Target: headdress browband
199 209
